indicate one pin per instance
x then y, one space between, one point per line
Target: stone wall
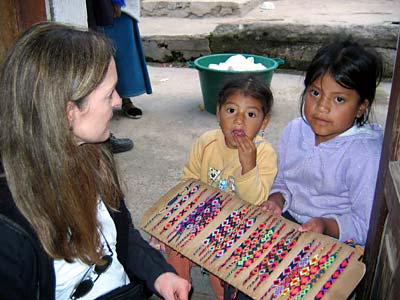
296 44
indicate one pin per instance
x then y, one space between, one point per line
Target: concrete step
293 31
196 9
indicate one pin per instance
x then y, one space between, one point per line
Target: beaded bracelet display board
259 253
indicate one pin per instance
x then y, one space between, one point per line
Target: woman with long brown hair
65 232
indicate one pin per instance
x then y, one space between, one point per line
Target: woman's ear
362 108
70 111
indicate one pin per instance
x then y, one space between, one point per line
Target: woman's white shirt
68 275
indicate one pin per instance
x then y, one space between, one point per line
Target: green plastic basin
211 80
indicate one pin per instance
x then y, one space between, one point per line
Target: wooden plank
16 16
390 152
383 286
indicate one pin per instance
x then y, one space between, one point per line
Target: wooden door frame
390 152
16 16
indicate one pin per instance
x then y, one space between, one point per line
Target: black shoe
120 145
130 110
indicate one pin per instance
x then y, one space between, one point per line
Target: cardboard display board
259 253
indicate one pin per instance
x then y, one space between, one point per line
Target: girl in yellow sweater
233 158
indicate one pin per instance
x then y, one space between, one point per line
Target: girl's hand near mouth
247 152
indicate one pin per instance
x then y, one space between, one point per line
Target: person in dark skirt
118 20
133 77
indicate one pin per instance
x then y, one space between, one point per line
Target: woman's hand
172 287
247 153
157 244
321 225
274 204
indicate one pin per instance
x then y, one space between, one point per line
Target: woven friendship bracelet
257 247
226 227
244 247
169 203
203 220
281 284
259 270
311 274
251 250
249 222
236 231
187 221
275 257
230 240
294 275
177 205
199 218
181 213
333 277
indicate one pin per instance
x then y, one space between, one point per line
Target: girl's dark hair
249 86
350 65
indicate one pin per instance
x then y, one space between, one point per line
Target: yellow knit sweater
213 163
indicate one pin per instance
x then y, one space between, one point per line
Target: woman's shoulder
11 232
17 249
19 262
16 234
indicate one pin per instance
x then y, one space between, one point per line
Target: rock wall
296 44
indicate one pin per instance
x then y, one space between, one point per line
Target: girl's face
241 115
330 108
90 123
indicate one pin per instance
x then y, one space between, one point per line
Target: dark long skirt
133 77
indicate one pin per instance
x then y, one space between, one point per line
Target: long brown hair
55 183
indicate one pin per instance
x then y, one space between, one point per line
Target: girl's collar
355 129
